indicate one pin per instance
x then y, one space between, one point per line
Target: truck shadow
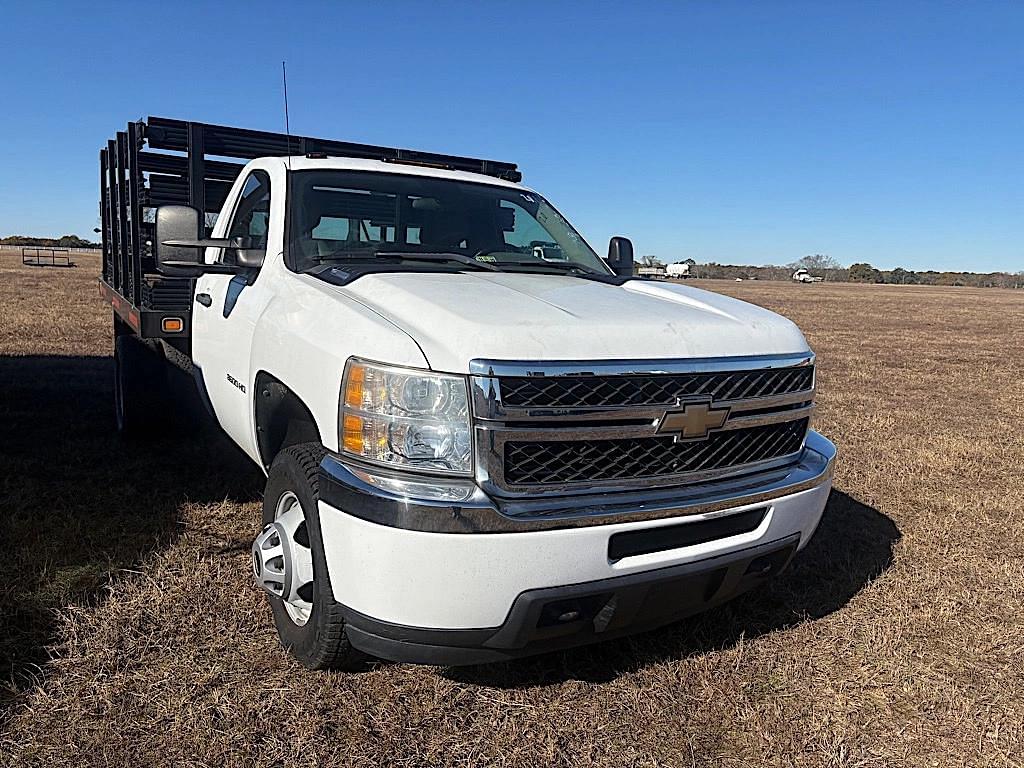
78 503
852 547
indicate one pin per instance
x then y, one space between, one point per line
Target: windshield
353 216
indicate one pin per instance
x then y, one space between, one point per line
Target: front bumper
552 618
460 583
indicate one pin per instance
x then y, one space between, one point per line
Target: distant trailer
679 271
46 257
654 273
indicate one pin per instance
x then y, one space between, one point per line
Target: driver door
225 312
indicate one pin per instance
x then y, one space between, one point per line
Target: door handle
205 299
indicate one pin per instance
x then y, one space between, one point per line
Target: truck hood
459 317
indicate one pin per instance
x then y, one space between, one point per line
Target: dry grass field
130 634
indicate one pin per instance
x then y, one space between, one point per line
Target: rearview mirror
175 222
620 256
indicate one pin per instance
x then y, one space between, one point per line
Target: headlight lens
414 419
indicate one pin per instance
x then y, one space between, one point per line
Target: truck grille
659 389
572 461
578 427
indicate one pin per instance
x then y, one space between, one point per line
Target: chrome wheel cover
282 561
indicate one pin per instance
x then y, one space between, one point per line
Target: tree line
830 270
64 241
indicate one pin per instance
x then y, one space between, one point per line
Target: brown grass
133 636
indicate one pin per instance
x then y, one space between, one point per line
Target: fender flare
280 418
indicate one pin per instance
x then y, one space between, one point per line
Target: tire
140 385
320 641
190 416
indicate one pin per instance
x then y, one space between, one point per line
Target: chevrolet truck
482 440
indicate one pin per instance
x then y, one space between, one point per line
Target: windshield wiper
371 254
436 256
561 266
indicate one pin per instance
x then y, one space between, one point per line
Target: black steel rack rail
182 171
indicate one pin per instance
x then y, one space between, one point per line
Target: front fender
308 332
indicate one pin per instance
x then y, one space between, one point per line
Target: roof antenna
287 127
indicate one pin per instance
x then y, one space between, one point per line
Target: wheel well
282 419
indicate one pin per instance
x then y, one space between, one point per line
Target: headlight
408 418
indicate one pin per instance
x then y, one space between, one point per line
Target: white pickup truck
482 440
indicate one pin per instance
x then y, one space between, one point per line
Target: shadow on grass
78 503
852 546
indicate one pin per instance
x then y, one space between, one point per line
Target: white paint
506 316
461 581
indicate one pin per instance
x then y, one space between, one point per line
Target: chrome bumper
443 505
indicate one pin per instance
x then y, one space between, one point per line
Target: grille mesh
546 462
663 389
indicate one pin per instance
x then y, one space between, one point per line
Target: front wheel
289 564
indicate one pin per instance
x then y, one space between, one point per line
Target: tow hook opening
572 611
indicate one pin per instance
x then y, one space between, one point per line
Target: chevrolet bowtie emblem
694 421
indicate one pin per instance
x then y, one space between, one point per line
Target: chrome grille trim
494 413
488 403
496 424
498 368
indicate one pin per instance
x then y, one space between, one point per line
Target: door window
252 213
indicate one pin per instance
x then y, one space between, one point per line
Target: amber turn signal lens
172 324
354 386
352 433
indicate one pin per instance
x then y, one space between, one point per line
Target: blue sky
739 132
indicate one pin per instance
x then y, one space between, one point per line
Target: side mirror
175 222
179 252
620 256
